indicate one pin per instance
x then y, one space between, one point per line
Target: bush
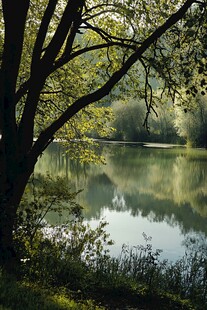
191 122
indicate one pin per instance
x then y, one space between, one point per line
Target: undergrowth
67 266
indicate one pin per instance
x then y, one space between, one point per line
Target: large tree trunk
11 194
12 179
8 257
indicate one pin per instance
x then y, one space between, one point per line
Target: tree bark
8 257
9 202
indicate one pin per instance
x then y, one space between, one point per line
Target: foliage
128 122
24 295
67 249
94 118
130 117
74 256
141 267
138 273
168 123
182 63
43 195
83 64
191 122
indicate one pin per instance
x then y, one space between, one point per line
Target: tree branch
38 46
64 60
37 80
106 36
106 88
70 15
68 57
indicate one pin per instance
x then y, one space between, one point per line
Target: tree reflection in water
161 185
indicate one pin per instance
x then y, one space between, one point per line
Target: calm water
161 192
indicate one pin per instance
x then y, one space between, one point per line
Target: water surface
159 191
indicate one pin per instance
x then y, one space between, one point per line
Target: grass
21 295
24 295
59 276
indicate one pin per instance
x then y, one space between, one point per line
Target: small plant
42 195
142 263
59 254
188 276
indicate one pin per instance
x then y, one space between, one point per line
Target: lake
155 189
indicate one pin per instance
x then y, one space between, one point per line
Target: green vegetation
168 124
192 123
55 277
24 295
68 266
62 64
129 118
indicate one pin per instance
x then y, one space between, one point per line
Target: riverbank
21 295
69 266
56 277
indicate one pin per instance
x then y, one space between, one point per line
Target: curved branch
66 58
148 95
63 60
106 36
97 7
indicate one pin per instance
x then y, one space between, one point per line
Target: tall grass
78 262
144 269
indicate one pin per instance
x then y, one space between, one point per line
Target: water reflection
167 186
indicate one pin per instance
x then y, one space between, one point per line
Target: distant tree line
176 124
